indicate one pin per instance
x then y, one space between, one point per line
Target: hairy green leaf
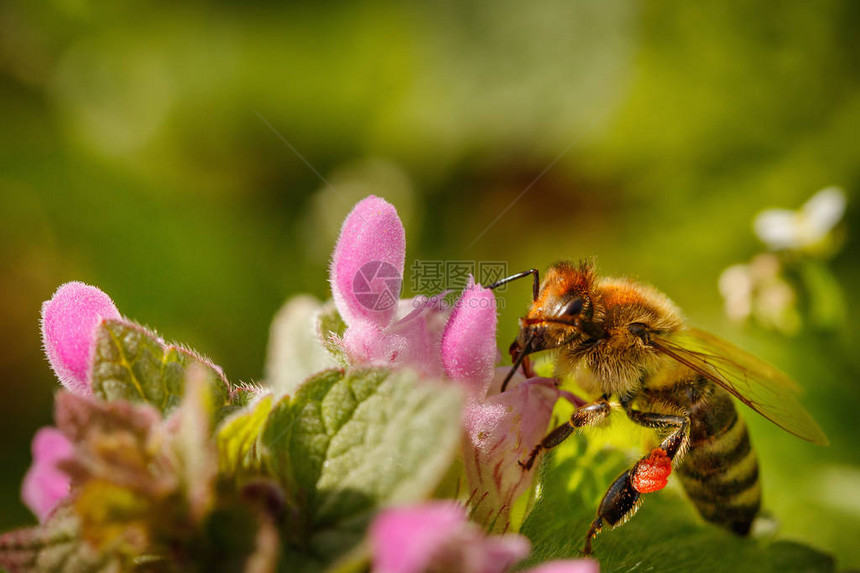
239 436
131 363
665 535
353 442
276 439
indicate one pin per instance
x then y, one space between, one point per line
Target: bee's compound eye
573 307
637 328
640 330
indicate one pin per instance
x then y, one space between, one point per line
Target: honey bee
627 340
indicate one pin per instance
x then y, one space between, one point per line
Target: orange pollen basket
652 473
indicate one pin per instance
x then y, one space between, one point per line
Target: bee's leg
587 415
649 474
617 506
675 442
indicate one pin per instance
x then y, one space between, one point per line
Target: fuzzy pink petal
469 341
367 344
418 328
44 485
412 341
419 345
499 375
367 265
437 537
69 323
501 431
495 553
567 566
404 540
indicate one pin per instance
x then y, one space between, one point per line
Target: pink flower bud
367 264
69 323
469 341
45 485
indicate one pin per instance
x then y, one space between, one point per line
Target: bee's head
565 312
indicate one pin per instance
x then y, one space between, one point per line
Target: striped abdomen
720 470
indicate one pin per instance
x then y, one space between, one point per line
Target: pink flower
469 351
500 432
500 429
45 485
366 275
436 537
69 324
568 566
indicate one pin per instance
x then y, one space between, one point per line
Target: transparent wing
753 381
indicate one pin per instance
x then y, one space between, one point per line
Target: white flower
757 290
806 227
736 286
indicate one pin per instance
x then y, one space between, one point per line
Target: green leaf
276 438
131 363
353 442
238 438
53 547
306 441
665 535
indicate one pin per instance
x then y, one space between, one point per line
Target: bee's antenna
517 362
535 286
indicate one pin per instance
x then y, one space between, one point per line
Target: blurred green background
136 154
